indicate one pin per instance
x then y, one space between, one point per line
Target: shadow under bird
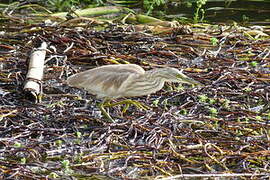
125 80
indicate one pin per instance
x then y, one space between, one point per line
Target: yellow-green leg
101 107
128 102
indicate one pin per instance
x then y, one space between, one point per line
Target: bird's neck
154 74
145 84
154 77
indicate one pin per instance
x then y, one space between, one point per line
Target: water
243 11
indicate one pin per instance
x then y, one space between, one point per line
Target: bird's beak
185 79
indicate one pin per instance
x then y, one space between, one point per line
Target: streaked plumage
125 80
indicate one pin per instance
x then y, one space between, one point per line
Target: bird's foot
127 103
107 115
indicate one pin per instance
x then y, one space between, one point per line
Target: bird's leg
101 107
125 108
127 102
137 104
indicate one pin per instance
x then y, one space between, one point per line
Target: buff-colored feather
125 80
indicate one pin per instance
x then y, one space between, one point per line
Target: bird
114 81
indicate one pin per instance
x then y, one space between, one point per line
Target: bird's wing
122 68
105 81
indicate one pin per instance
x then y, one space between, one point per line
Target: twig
215 175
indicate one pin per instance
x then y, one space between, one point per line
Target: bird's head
174 75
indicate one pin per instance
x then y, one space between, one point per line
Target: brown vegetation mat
220 128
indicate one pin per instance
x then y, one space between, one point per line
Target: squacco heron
125 80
